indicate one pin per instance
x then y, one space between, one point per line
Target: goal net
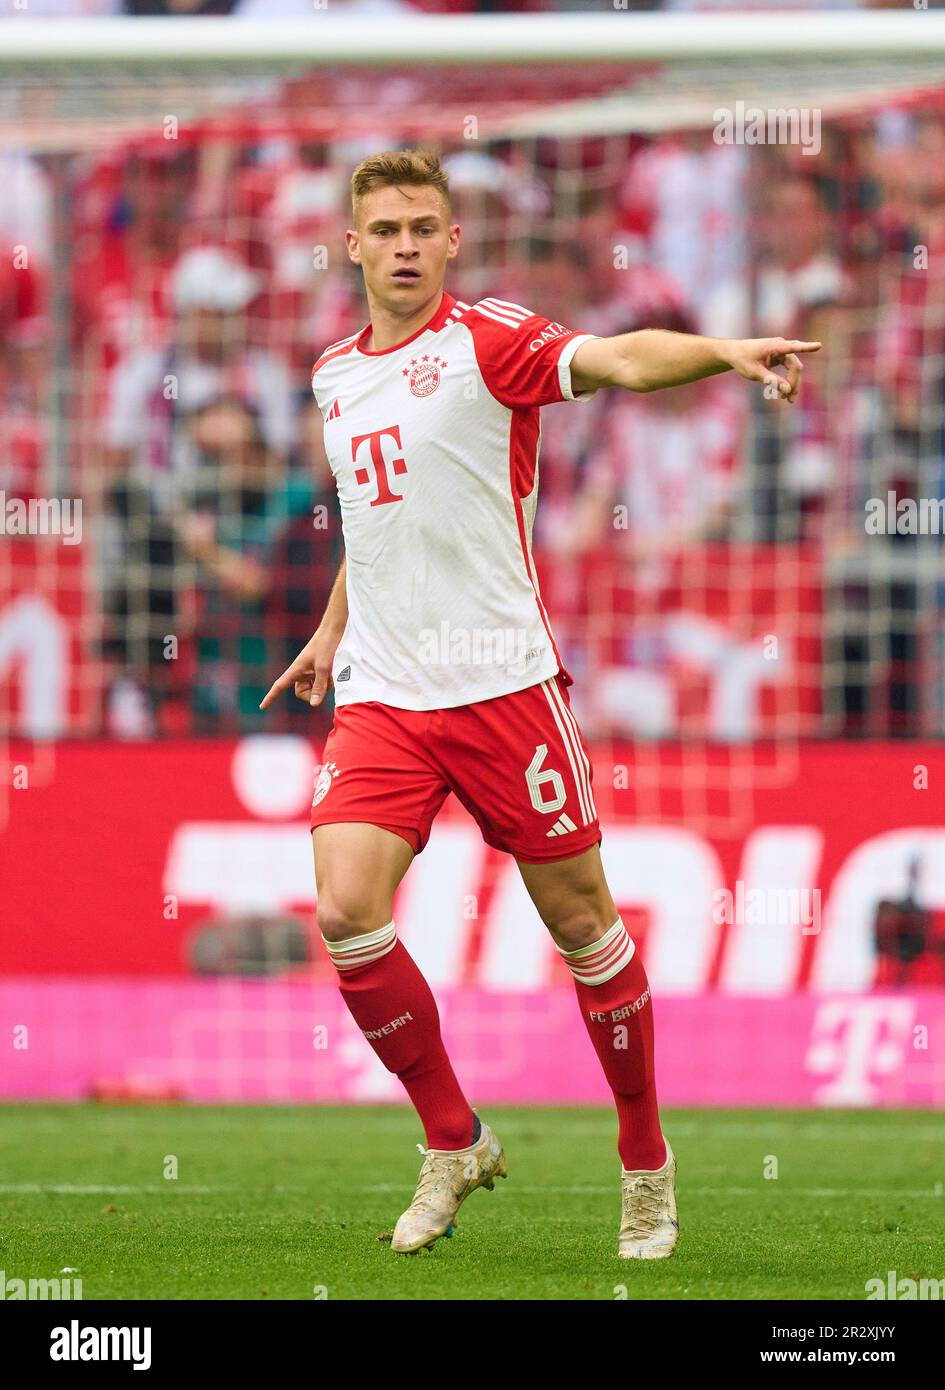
725 575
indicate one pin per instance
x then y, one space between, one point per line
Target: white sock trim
602 959
356 951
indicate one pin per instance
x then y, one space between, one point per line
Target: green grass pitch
288 1203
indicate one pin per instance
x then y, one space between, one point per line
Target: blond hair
417 168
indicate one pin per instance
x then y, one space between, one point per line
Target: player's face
402 241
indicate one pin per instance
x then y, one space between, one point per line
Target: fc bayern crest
423 375
323 782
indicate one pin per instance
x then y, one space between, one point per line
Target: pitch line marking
596 1191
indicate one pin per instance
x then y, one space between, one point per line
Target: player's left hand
755 358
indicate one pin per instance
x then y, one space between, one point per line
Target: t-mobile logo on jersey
399 466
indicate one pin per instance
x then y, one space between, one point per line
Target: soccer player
446 673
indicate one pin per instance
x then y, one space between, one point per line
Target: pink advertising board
293 1041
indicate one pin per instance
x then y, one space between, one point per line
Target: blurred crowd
193 284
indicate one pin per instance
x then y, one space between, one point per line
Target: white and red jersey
434 447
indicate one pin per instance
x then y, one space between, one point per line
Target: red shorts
517 763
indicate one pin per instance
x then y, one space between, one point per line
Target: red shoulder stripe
336 350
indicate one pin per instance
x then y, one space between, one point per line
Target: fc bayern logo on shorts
423 374
323 782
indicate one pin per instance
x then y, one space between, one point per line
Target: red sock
394 1007
615 1003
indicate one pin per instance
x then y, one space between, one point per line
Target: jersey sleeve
524 358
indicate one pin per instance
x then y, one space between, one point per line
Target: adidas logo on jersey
335 412
344 675
562 826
